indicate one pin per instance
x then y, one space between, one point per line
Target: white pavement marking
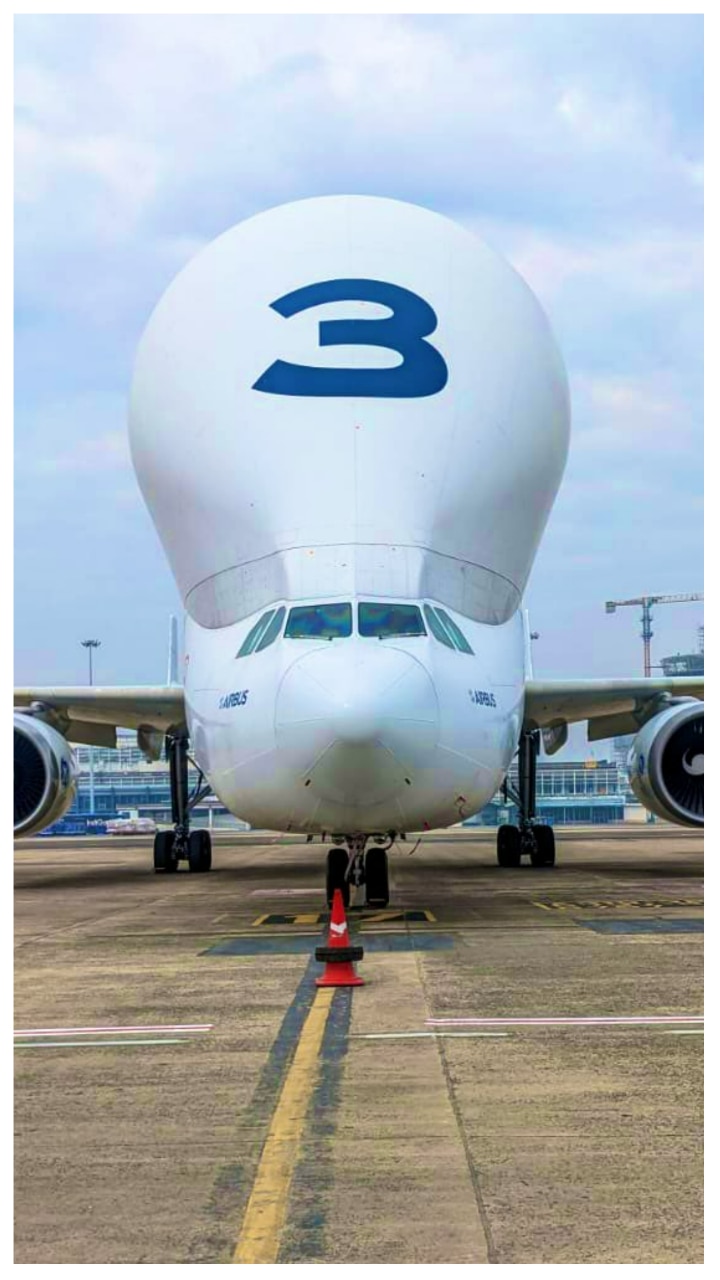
633 1020
310 892
101 1031
93 1044
429 1035
684 1033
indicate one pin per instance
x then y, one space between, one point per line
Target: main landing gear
357 866
529 837
181 844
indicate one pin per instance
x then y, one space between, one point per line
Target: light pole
90 645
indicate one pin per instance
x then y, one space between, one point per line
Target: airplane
349 420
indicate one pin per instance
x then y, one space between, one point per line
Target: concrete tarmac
183 1095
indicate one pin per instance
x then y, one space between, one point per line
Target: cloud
623 415
661 264
465 109
108 452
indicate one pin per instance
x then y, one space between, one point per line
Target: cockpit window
437 627
457 635
273 630
319 622
254 634
383 620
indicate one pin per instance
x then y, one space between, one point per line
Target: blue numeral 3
423 371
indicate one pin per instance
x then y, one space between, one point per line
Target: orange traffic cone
338 954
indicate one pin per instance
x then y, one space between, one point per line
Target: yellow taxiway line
259 1239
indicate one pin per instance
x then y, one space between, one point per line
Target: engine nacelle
45 774
666 764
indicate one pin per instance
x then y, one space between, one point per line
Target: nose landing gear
357 867
181 844
531 838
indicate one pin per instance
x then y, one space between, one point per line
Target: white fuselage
355 734
351 400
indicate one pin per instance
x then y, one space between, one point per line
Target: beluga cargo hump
349 396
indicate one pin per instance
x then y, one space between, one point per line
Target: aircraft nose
357 720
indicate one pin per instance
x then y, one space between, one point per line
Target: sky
571 144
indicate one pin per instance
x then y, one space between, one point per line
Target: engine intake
667 764
45 774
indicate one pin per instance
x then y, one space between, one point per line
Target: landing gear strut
181 844
530 837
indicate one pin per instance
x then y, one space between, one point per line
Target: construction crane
646 604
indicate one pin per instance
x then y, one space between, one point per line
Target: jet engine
667 765
45 774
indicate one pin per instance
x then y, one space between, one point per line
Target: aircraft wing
92 714
611 707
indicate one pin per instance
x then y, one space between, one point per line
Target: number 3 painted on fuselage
423 371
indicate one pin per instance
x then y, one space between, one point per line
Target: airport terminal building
568 791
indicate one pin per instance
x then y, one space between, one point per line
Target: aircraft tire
508 845
199 851
335 876
377 880
544 855
164 857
